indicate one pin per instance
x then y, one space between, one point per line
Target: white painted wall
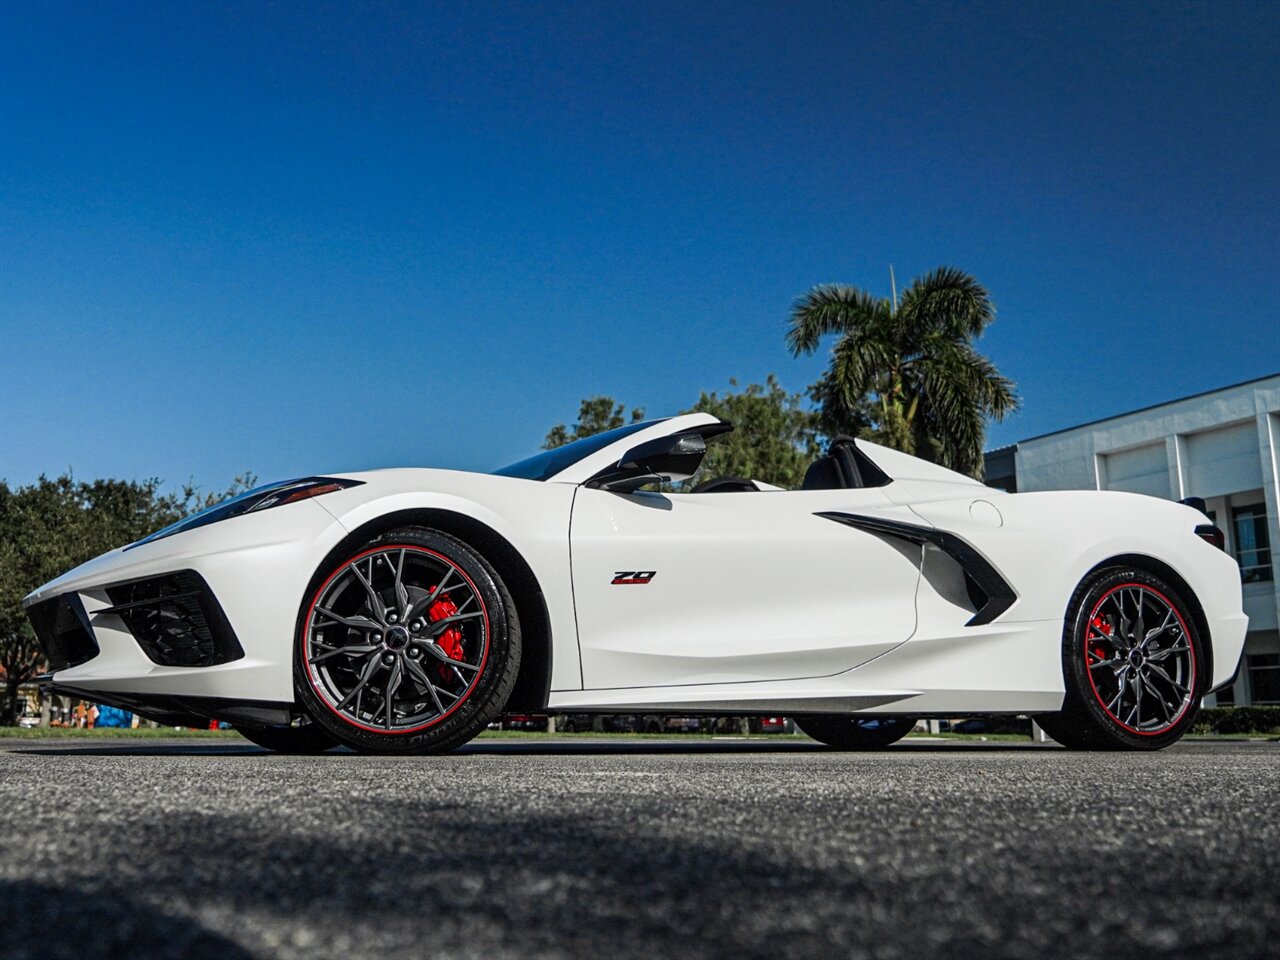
1136 470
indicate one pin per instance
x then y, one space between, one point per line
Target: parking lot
667 848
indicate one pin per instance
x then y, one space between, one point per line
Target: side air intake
176 620
988 591
62 627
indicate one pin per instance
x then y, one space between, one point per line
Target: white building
1224 446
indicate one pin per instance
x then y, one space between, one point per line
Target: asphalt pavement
645 849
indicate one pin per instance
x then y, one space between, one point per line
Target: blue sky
293 238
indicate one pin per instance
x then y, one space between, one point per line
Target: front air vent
62 628
176 620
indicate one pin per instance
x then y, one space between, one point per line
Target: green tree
595 415
834 417
907 365
50 526
774 437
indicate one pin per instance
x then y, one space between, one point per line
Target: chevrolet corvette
401 611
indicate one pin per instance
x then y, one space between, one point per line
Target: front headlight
251 501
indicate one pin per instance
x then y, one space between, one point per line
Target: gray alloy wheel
1134 664
409 644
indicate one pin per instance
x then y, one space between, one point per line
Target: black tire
300 738
855 733
487 645
1125 691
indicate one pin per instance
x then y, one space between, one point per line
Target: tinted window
547 464
1253 547
1264 677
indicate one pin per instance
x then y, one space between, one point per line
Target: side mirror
1196 503
666 458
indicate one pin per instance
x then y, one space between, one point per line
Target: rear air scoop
993 595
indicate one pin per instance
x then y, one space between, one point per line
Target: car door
731 587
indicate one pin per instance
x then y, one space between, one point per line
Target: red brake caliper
1105 630
451 640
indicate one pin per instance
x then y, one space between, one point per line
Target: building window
1226 696
1253 548
1264 677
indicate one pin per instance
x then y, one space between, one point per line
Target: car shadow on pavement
123 748
39 921
726 746
550 747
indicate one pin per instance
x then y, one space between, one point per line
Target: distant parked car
654 723
992 725
523 721
773 724
27 722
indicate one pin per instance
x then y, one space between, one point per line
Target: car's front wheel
855 733
1133 661
410 644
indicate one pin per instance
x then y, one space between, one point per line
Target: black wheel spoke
356 649
402 593
1136 687
393 684
363 682
1165 624
1164 654
375 601
355 622
1159 671
440 626
420 675
443 657
422 606
1164 707
1114 705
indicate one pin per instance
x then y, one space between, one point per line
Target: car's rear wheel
855 733
410 644
1133 661
300 737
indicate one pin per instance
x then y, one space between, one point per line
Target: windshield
543 466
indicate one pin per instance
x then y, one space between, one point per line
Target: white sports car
403 610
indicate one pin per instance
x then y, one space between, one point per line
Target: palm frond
998 394
958 389
860 361
945 300
953 421
831 308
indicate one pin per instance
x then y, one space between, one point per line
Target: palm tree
908 365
